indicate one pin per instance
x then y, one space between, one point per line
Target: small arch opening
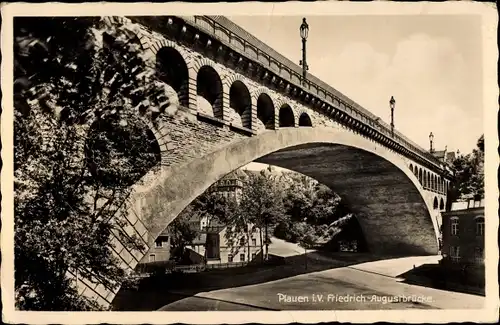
241 103
441 204
172 70
286 116
265 111
305 120
435 205
209 88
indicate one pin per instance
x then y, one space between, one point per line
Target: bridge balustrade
238 39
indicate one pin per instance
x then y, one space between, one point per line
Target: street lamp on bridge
431 139
392 104
304 31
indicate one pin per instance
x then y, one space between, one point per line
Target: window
480 226
455 253
229 258
242 257
454 226
479 255
152 257
253 256
242 241
161 241
254 242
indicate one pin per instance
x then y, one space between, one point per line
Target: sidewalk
441 299
366 280
397 266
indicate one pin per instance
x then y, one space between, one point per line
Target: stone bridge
236 101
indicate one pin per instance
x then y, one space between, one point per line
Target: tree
182 234
307 241
261 204
80 85
469 175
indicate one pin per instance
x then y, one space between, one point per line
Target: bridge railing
234 36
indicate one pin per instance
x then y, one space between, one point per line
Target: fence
170 267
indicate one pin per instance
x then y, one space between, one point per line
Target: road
362 286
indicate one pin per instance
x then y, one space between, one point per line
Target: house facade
463 239
216 242
220 244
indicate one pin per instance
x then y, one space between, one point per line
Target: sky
431 64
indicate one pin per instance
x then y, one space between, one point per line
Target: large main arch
376 183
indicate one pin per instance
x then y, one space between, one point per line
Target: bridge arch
264 108
129 130
372 177
240 102
286 117
209 89
172 69
305 120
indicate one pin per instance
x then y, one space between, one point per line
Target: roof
439 153
467 205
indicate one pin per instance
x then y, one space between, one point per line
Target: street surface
358 286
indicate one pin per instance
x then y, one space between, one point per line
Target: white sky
431 64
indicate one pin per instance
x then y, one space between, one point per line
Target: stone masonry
211 128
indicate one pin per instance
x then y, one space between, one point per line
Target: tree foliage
261 204
182 234
79 145
469 174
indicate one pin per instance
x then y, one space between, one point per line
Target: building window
253 256
242 257
480 226
229 258
152 257
254 242
454 226
161 241
242 241
455 253
479 255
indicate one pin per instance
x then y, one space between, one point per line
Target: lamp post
392 104
304 31
431 139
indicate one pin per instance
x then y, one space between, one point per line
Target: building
215 242
463 239
444 156
161 249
